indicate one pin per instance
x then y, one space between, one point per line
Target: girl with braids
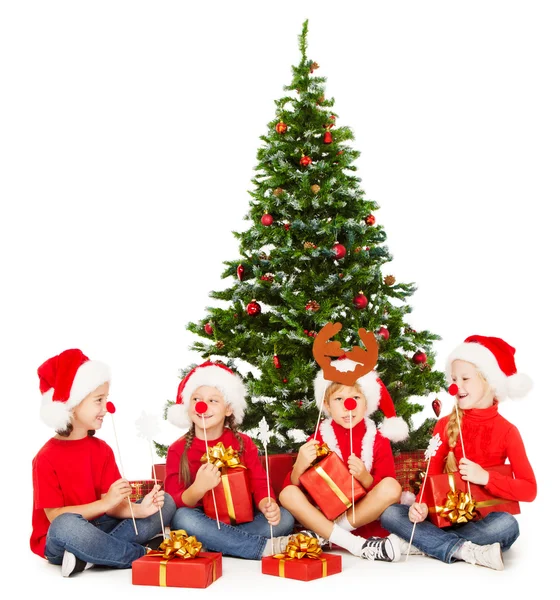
187 480
484 372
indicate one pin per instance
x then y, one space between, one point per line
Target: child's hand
472 472
306 455
208 477
152 502
357 468
418 512
118 491
270 510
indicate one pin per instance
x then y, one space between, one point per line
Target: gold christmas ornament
278 191
309 245
315 188
219 344
389 280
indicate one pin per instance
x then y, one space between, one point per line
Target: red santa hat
65 380
494 358
215 375
377 397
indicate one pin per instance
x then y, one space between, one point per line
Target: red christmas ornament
327 139
360 301
276 361
285 380
436 405
419 358
281 127
253 308
287 226
267 277
111 407
201 407
383 332
339 251
305 161
267 219
350 404
208 329
453 389
240 272
340 152
333 119
370 220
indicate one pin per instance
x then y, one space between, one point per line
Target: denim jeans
246 540
443 543
104 541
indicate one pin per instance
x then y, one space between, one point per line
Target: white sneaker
376 548
486 556
71 564
403 546
276 545
322 541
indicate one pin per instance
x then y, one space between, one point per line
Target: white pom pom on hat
211 374
494 358
64 381
377 397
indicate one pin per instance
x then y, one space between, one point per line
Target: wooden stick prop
148 428
432 449
453 390
201 408
111 410
350 404
264 434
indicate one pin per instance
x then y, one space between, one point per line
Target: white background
128 139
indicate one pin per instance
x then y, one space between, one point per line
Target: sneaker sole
68 563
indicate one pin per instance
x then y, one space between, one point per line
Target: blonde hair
335 386
184 470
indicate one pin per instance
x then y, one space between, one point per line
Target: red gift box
141 487
197 572
449 503
303 569
329 483
233 498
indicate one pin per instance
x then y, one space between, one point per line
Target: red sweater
489 440
249 457
383 464
68 473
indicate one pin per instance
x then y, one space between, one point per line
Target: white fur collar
329 437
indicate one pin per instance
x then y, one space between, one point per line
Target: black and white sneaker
71 564
322 541
376 548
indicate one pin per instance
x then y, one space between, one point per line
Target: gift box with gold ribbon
303 559
233 494
178 563
329 483
141 487
450 503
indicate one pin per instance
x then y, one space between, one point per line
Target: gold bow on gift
178 545
222 457
322 451
301 546
459 506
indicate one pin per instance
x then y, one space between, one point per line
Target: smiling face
334 404
212 420
88 415
474 391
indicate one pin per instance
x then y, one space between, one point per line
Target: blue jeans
443 543
104 541
246 540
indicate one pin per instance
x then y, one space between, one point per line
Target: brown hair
184 470
69 428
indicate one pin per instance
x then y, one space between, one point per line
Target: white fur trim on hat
89 376
394 428
230 385
368 382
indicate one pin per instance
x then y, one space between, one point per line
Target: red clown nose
453 389
110 407
350 404
201 407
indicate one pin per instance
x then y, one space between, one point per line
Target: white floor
528 569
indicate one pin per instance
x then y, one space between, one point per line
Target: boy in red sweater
81 515
483 368
372 465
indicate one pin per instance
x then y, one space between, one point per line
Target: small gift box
178 563
329 483
141 487
303 559
450 503
234 501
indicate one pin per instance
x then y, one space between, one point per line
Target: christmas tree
313 254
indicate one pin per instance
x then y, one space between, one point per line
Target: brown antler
323 350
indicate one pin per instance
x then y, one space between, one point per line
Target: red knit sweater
489 440
249 457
